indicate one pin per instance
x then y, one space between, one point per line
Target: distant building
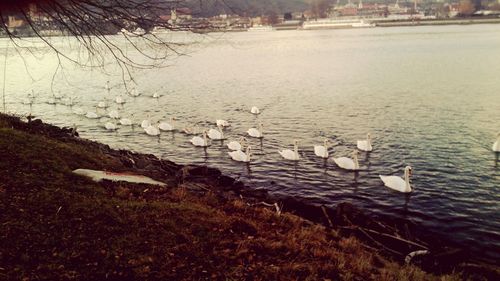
184 13
348 11
230 22
397 9
360 10
256 21
453 9
308 14
14 22
37 15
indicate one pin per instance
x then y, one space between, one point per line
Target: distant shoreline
281 27
465 21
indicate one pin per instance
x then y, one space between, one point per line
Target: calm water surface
430 96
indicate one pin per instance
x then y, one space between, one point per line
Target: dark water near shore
430 96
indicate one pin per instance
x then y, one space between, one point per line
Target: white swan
165 126
32 94
78 111
28 100
152 130
102 104
236 145
92 114
365 145
134 93
291 154
57 95
113 114
322 150
216 134
70 101
145 123
348 163
110 126
222 123
108 88
256 133
240 156
255 110
199 141
51 101
397 183
120 100
496 144
126 122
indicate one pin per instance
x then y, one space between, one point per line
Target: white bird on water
291 154
152 130
222 123
365 145
57 95
236 145
156 95
256 133
114 114
126 122
165 126
397 183
78 111
110 126
216 134
51 100
199 141
322 150
108 88
102 104
255 110
348 163
119 100
70 101
496 144
241 156
30 99
145 123
27 101
92 114
134 93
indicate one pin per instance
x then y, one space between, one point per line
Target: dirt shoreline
393 239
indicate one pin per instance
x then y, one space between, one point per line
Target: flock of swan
239 150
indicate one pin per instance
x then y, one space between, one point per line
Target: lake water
429 96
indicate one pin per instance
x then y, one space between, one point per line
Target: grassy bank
59 226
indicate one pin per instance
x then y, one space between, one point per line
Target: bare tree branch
91 22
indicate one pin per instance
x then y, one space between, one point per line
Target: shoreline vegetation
202 225
383 23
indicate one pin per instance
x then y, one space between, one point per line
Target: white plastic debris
411 255
103 175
